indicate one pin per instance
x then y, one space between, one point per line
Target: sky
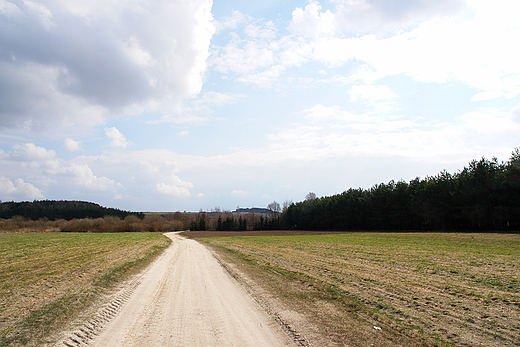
188 105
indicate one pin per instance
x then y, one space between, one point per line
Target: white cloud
340 120
371 92
139 55
42 13
383 17
9 9
515 114
118 139
198 110
428 41
265 31
180 119
112 174
44 169
320 112
71 145
263 79
311 22
324 36
332 132
144 172
487 120
239 193
490 94
178 188
19 189
31 100
253 59
436 51
31 152
232 22
82 175
244 58
217 99
207 102
98 59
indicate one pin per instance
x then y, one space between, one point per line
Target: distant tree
59 209
202 221
286 204
274 207
242 224
229 224
260 225
485 195
310 196
199 223
169 216
220 226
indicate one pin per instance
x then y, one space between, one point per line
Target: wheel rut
185 298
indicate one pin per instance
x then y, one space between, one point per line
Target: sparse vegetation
440 289
48 278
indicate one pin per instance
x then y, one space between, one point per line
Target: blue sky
188 105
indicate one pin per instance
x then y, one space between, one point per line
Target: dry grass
438 289
47 278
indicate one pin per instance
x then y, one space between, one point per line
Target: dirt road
186 299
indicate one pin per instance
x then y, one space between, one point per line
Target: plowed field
444 289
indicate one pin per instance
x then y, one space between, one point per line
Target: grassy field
48 278
438 289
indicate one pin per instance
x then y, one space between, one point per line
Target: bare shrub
8 224
21 225
82 225
152 223
113 224
132 219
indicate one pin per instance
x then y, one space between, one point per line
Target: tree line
60 209
483 196
227 221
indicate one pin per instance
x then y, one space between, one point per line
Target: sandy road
187 299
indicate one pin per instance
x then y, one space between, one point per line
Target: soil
203 295
310 316
418 296
185 298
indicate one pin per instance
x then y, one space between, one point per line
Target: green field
47 278
445 289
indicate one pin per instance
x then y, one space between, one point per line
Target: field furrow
441 288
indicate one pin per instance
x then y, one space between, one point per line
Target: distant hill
59 209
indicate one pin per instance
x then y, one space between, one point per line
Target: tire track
85 334
186 298
297 336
